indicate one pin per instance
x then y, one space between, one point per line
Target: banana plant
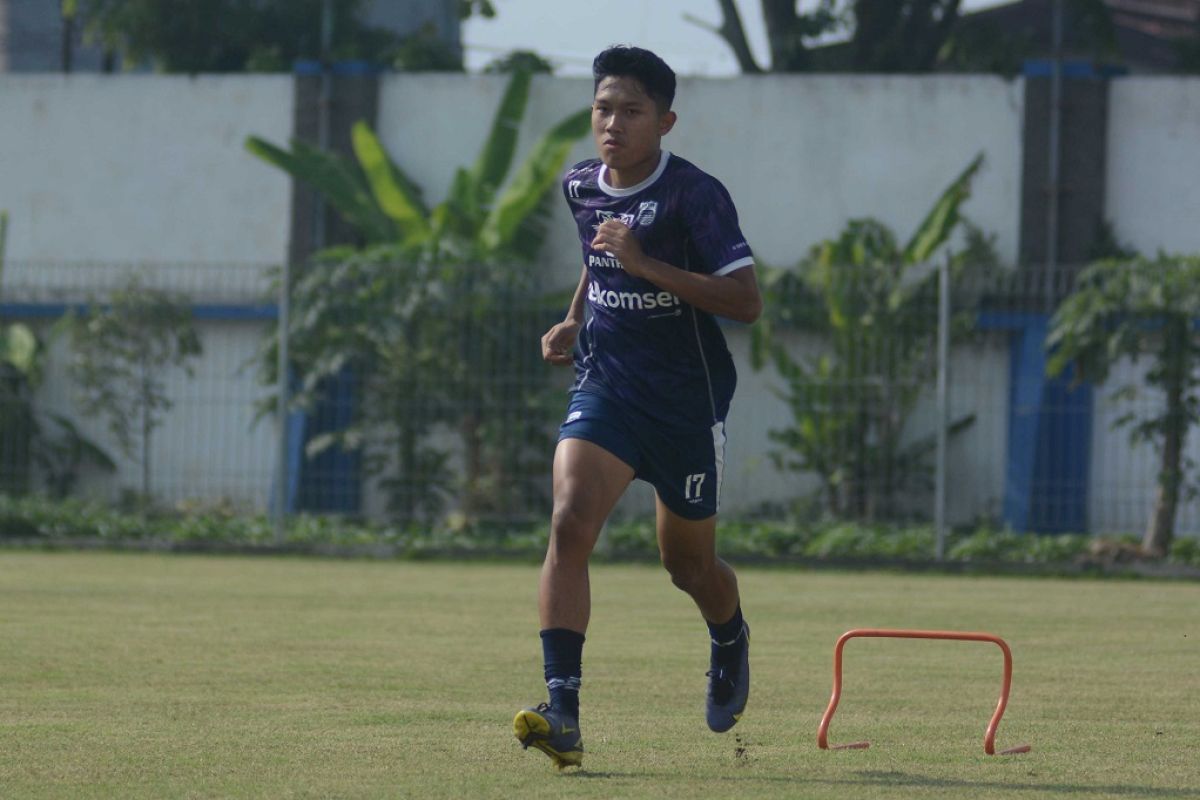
24 439
870 303
426 280
18 344
476 220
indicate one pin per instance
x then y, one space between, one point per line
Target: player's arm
560 340
734 296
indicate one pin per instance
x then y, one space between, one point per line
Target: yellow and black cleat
554 733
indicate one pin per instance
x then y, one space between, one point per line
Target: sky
571 32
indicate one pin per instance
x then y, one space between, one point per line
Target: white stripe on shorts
718 434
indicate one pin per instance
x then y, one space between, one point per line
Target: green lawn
177 676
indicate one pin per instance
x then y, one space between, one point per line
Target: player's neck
633 175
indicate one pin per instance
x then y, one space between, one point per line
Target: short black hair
646 67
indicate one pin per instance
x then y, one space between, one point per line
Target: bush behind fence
416 394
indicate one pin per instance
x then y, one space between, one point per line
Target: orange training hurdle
989 738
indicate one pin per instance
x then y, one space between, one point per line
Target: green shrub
41 519
1186 552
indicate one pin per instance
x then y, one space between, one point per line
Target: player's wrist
640 265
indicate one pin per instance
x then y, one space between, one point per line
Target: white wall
1153 195
211 448
801 155
142 168
102 174
135 169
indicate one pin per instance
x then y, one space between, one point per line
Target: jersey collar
613 191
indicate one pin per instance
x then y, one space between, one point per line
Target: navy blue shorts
684 467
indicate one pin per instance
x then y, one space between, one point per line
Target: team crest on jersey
605 216
646 213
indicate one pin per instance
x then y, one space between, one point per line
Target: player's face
628 128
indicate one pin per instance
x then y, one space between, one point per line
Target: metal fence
416 393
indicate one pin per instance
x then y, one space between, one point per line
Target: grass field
142 676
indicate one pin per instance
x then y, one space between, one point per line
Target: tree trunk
733 33
785 36
67 44
1176 369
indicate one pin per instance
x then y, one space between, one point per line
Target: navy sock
728 640
562 651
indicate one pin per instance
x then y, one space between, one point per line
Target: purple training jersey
642 345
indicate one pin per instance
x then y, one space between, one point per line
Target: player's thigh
686 545
588 482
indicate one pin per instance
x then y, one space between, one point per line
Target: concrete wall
100 175
211 448
1153 197
800 155
140 169
143 168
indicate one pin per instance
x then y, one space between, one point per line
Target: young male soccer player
663 256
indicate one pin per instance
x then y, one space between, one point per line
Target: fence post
943 389
282 390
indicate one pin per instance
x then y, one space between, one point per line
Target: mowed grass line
184 676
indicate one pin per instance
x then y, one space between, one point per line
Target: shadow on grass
879 778
893 778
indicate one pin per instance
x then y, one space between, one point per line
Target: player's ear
666 122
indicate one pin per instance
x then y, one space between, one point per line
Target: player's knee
687 571
571 531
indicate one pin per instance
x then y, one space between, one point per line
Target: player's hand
558 343
615 237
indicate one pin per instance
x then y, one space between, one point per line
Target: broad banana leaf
396 195
334 178
19 347
942 218
536 176
454 215
496 157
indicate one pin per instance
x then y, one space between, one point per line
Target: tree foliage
867 306
1135 309
227 35
886 36
437 317
193 36
121 352
477 220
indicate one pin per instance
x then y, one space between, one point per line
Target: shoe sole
736 718
532 730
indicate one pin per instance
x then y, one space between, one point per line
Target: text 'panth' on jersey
643 345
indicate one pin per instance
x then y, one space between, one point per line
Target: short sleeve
712 225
